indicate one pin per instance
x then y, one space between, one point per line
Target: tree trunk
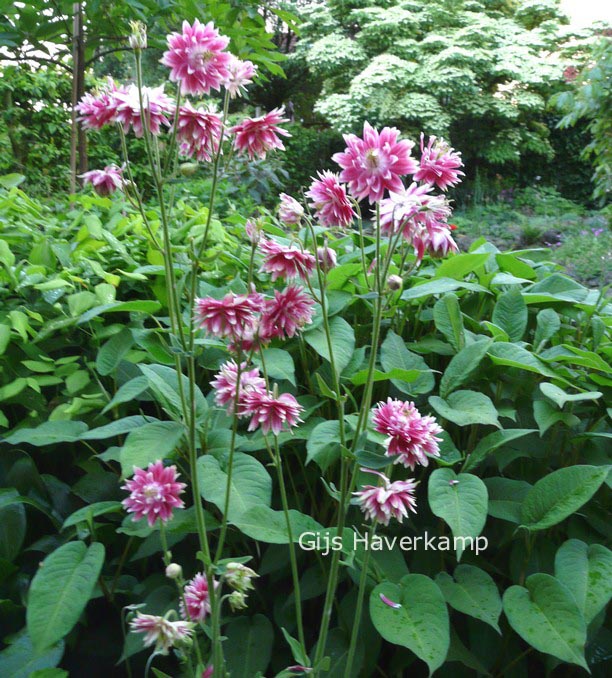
78 140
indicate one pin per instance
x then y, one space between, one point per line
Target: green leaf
510 313
90 512
164 383
492 442
466 407
406 376
559 494
461 265
323 445
548 324
472 591
49 433
546 416
148 443
449 321
342 339
463 365
560 397
461 501
251 484
546 616
420 624
117 428
395 355
21 660
502 353
586 571
12 524
113 351
128 392
60 590
145 306
279 364
440 286
264 524
248 646
505 498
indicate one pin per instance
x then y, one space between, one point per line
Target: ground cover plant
313 441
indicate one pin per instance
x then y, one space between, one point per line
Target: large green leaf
249 646
548 324
251 484
546 616
492 442
342 339
323 445
113 351
472 591
586 570
512 355
150 442
395 355
420 623
506 497
461 265
21 660
560 397
12 523
510 313
466 407
118 427
461 501
559 494
264 524
463 365
279 364
145 306
49 433
60 590
164 383
440 286
449 321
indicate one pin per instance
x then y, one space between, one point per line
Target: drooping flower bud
239 576
174 571
138 38
326 258
394 283
188 169
237 600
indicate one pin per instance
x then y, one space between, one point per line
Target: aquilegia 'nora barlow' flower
241 74
156 105
409 435
224 384
97 111
257 136
330 201
375 163
289 211
106 181
197 58
439 164
160 631
197 598
287 313
271 412
286 262
391 500
232 316
154 493
199 132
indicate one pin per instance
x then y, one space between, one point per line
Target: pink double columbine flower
161 632
271 412
154 493
290 211
199 132
196 604
375 163
240 75
258 136
227 382
286 262
197 58
330 202
440 164
380 503
95 111
287 313
157 108
233 316
106 181
410 436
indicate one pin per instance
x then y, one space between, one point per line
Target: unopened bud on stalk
237 600
239 576
138 38
326 257
188 169
394 283
174 571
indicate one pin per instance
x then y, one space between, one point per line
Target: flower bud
394 283
188 169
253 231
239 576
289 211
138 38
174 571
326 258
237 600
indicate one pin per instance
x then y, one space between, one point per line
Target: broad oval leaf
461 501
249 645
510 313
462 366
546 616
264 524
492 442
20 659
60 590
49 433
323 445
559 494
506 497
148 443
586 570
342 339
395 355
472 591
466 407
420 624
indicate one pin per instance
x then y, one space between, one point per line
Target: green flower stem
358 610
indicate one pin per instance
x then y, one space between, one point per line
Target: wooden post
78 140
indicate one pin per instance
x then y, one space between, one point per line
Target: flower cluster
411 438
161 632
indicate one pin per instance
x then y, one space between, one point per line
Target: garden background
506 342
